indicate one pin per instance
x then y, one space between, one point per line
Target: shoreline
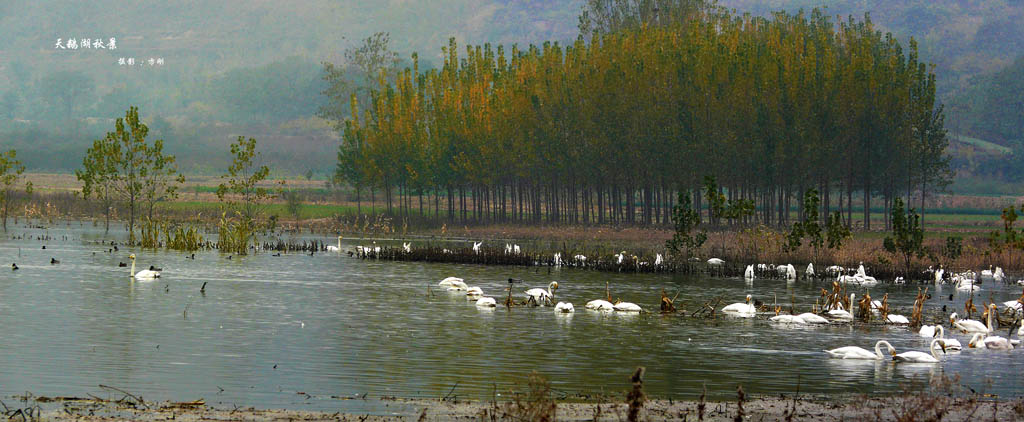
906 407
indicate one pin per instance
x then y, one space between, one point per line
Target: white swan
938 275
474 291
790 272
407 247
1020 331
854 352
965 284
557 259
741 309
600 305
967 325
144 274
948 343
476 246
897 319
787 319
486 302
627 307
715 261
980 341
920 357
564 307
841 313
453 283
1013 304
927 330
332 248
812 318
541 296
749 272
658 259
810 270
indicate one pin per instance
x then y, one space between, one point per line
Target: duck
14 267
152 268
854 352
564 307
54 261
122 264
920 357
741 309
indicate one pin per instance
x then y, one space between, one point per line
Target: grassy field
980 143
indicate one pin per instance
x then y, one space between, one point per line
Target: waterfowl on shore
920 357
144 274
854 352
540 296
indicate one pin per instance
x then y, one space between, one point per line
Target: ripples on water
337 326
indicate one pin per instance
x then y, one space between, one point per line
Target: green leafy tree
142 173
161 178
98 174
11 174
685 219
1009 237
809 226
242 191
907 237
836 231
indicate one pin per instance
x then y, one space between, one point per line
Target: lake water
331 327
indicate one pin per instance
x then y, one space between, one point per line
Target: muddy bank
903 408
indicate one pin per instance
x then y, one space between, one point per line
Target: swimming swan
564 307
144 274
332 248
600 305
948 343
854 352
540 296
920 357
744 310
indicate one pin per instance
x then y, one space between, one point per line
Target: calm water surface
330 326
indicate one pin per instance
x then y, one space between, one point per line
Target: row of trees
610 129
